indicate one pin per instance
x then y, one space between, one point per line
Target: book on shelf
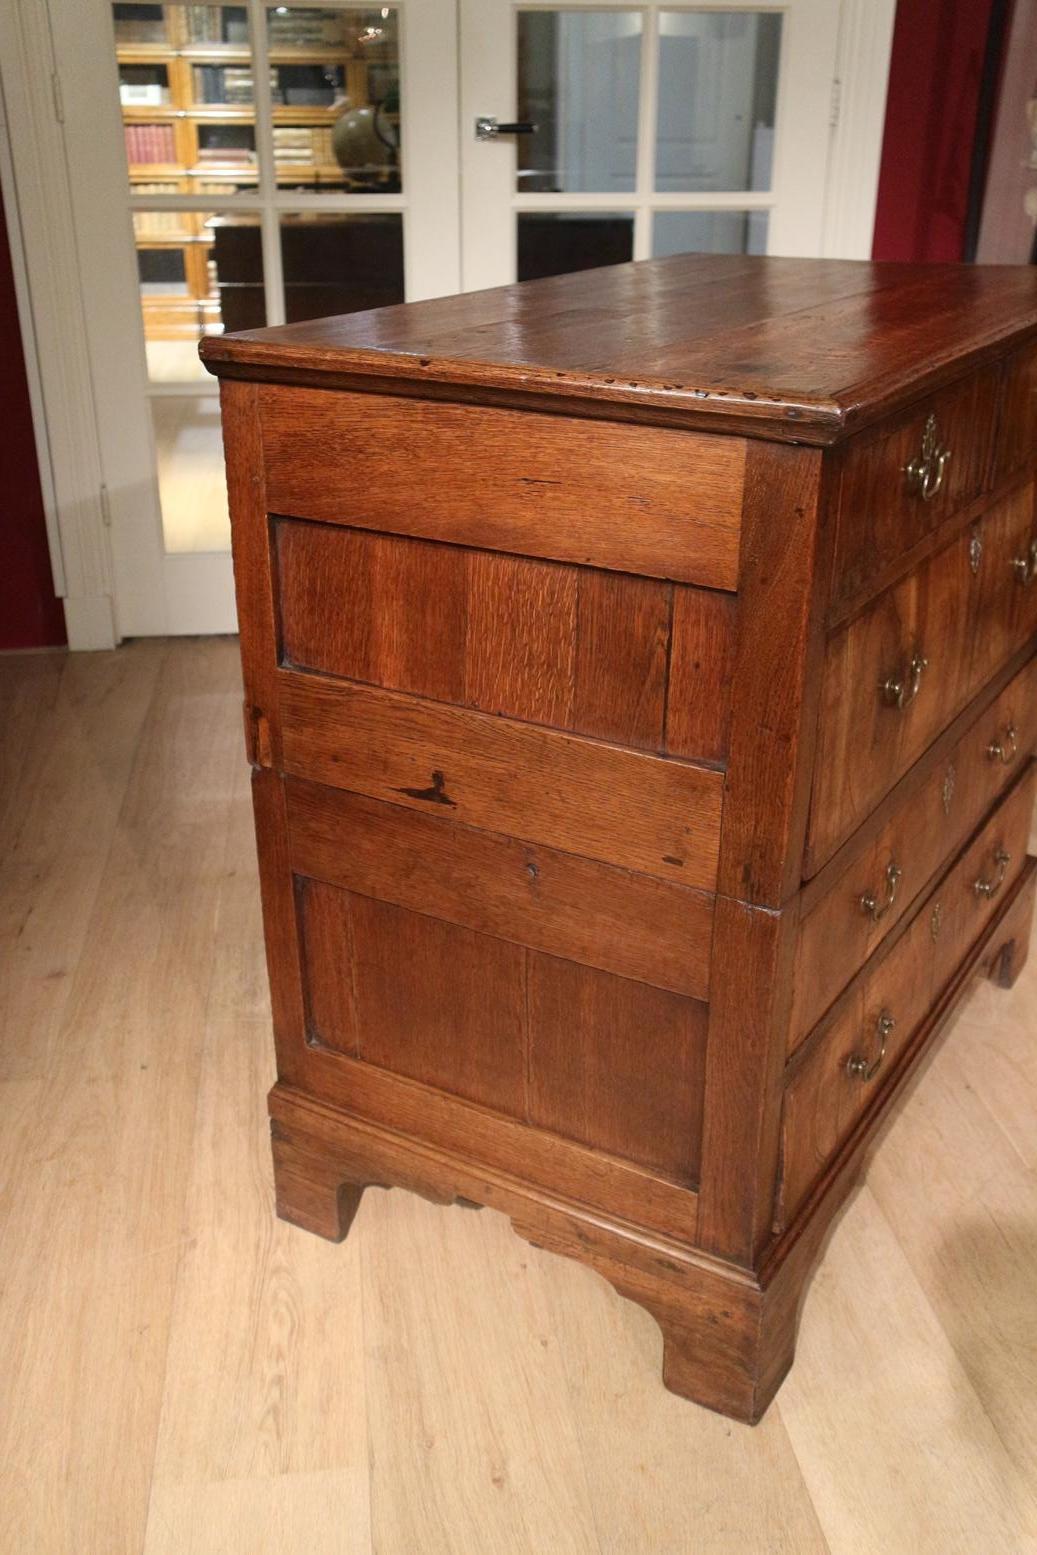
214 24
151 94
215 85
130 28
306 29
242 155
301 146
157 224
150 143
225 185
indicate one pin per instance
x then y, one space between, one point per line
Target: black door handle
487 128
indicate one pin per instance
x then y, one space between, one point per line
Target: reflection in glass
186 95
718 79
191 483
340 263
556 242
578 81
199 273
709 232
335 82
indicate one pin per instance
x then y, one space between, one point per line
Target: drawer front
880 885
896 675
636 661
638 499
896 488
1016 442
851 1062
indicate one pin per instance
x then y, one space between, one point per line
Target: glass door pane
718 86
340 262
335 89
683 127
578 82
200 272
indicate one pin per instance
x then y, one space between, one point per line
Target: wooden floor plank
963 1206
62 814
266 1359
29 684
92 1238
655 1467
895 1447
473 1439
996 1057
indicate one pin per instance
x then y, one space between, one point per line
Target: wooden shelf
153 170
168 316
227 54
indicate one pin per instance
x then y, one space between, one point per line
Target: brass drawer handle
870 903
1006 748
925 473
899 690
857 1065
1025 567
989 888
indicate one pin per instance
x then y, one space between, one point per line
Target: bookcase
187 99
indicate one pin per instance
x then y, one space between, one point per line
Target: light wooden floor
180 1373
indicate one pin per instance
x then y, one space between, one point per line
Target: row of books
158 224
242 156
150 143
222 84
306 29
216 24
297 146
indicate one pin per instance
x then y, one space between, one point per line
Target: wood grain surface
661 818
635 499
635 661
729 342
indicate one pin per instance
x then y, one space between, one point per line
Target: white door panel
731 103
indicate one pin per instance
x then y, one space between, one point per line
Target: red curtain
931 112
30 615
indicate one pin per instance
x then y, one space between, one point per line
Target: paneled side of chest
563 833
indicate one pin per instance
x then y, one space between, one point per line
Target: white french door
233 166
186 168
642 130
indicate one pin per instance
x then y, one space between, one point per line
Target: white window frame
106 549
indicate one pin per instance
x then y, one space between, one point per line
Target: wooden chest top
797 350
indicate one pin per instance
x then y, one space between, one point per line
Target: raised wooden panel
1016 444
521 637
617 1065
584 911
642 812
966 611
698 703
559 1045
636 499
416 996
881 515
574 647
372 607
622 649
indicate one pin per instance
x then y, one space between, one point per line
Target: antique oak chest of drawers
642 697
